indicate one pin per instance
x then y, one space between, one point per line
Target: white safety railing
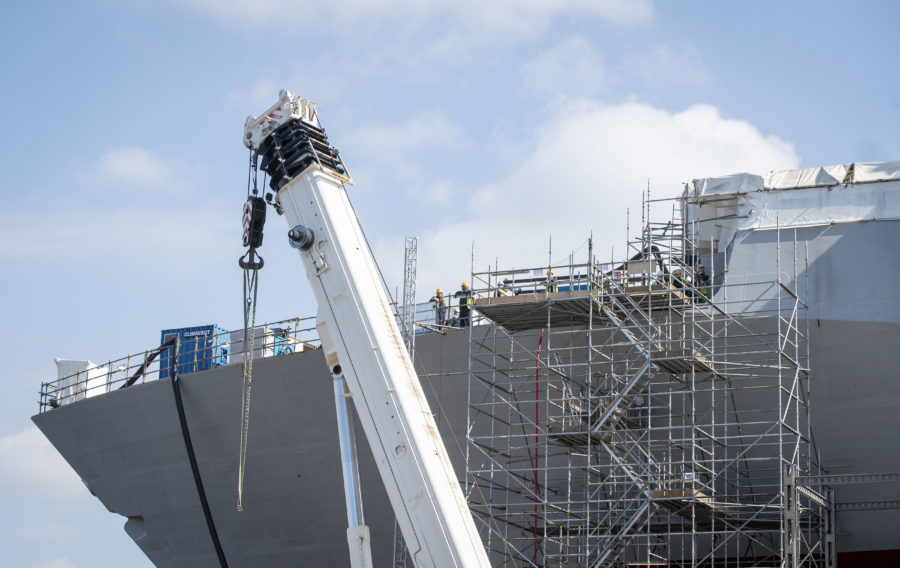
272 339
228 348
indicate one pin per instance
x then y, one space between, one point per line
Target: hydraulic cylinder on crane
360 337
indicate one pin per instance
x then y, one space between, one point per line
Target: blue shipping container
202 347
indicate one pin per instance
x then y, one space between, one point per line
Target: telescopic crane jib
360 337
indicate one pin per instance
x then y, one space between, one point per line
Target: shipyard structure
724 393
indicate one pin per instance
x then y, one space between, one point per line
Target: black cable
195 469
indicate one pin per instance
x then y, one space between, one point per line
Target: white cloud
58 562
592 162
440 193
571 67
400 146
518 17
53 530
422 35
136 226
422 129
133 237
575 68
396 143
29 464
139 171
665 67
257 97
132 165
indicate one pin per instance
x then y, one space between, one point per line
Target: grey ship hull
129 450
127 445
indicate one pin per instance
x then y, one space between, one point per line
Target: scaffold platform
688 503
522 312
532 311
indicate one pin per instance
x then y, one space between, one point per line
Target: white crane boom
360 337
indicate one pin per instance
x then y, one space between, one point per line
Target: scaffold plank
681 361
687 503
577 439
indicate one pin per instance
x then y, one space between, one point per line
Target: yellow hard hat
677 272
701 266
465 284
439 291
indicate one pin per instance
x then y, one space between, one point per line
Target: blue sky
494 123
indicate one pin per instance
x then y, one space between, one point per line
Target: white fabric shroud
820 206
807 177
864 172
794 198
825 176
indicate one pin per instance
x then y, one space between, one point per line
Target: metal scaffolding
634 413
408 310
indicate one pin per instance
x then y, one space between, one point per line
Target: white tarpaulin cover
864 172
826 176
794 198
79 379
807 177
735 183
817 206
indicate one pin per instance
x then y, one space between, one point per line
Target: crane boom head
288 107
289 139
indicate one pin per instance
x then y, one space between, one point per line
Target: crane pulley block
253 220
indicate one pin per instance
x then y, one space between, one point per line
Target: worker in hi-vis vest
551 285
677 280
440 307
701 281
465 305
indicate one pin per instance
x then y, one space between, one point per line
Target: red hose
537 376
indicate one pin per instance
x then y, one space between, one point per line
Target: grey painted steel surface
127 447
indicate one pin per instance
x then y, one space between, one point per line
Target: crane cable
251 281
251 284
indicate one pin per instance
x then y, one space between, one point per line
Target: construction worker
465 305
551 285
701 281
440 307
676 279
454 321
